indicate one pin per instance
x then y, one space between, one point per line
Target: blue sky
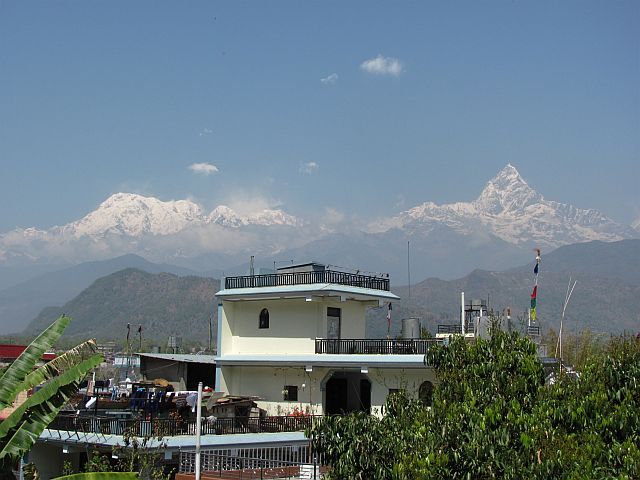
101 97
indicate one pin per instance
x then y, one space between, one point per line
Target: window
393 391
264 318
290 393
425 393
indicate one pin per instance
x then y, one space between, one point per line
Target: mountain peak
133 214
506 192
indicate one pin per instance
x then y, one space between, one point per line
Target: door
333 330
336 396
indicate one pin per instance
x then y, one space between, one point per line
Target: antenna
564 309
409 268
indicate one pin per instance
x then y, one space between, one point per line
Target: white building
296 339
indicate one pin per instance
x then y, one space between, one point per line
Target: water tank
411 328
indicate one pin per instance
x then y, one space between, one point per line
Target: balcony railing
533 330
167 427
456 328
450 329
305 278
375 346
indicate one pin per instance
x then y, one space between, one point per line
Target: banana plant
60 380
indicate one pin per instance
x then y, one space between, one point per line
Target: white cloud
206 131
309 168
203 168
330 80
332 216
383 66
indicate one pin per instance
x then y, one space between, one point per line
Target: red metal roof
11 352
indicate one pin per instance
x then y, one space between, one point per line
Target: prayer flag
533 313
535 269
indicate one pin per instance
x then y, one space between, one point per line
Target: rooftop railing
533 330
167 427
456 328
305 278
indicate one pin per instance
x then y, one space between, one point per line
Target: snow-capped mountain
636 224
513 211
227 217
134 215
161 230
508 216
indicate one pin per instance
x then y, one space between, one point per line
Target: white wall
268 383
294 324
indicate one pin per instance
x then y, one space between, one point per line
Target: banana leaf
23 427
59 364
18 370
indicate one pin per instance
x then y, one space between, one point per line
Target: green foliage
143 455
493 417
98 462
13 377
101 476
20 430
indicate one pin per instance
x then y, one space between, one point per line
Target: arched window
425 393
264 318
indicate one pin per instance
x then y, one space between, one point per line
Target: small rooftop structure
182 371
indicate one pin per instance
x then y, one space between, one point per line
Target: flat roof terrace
281 279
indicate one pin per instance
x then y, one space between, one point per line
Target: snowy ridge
513 211
507 209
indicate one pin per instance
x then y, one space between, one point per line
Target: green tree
493 417
58 380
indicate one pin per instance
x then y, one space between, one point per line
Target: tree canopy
494 417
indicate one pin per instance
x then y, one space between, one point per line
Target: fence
166 427
284 461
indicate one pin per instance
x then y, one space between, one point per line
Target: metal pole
198 428
408 270
462 312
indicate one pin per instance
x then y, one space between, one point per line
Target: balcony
168 427
533 330
456 329
375 346
306 278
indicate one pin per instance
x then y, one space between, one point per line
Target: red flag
535 292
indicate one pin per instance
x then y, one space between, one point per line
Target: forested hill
162 303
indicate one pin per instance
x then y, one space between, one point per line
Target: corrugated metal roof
181 357
320 289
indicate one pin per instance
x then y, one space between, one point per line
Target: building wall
294 324
268 383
